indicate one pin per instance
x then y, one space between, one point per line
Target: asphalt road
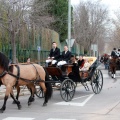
85 106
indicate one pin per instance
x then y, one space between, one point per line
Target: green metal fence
23 54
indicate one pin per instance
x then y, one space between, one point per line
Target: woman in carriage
80 62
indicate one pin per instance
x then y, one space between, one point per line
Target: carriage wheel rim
97 86
67 90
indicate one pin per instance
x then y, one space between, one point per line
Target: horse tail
48 85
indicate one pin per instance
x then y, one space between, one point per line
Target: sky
112 5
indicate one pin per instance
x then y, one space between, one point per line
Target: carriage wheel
39 92
97 81
67 90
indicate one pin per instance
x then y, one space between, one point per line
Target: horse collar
3 74
18 75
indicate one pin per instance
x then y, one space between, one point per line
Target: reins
26 80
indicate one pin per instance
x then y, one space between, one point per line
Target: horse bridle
3 74
18 74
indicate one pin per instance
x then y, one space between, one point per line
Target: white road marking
59 119
18 118
76 104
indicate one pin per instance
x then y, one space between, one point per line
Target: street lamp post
69 25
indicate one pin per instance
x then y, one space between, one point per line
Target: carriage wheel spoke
64 94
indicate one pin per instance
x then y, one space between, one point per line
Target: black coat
74 75
113 53
81 63
65 57
55 54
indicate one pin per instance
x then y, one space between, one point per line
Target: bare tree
90 23
115 35
12 18
40 13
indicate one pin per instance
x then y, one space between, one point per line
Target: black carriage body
75 76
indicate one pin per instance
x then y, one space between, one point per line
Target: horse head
4 63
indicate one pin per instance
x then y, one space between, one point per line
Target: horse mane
4 62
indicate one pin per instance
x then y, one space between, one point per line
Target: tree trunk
13 43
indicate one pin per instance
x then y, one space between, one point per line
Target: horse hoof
19 107
29 103
13 102
32 100
44 104
1 111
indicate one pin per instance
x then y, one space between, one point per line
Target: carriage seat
91 60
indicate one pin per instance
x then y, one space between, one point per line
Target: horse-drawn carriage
68 80
33 74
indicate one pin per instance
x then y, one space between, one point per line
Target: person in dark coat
119 52
81 62
54 54
106 61
74 75
65 57
114 53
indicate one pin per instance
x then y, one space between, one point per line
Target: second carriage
68 80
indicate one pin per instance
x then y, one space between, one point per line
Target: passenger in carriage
80 62
28 60
85 66
65 57
74 75
54 55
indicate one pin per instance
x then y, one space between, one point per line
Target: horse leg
4 105
32 91
111 70
15 100
114 72
8 91
18 92
47 89
45 93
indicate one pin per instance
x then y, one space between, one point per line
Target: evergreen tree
60 13
52 14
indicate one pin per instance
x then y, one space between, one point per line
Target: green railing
23 54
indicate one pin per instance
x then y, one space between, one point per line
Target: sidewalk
23 91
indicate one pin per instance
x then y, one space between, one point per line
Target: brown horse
113 65
32 73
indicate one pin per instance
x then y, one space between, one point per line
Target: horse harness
24 79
